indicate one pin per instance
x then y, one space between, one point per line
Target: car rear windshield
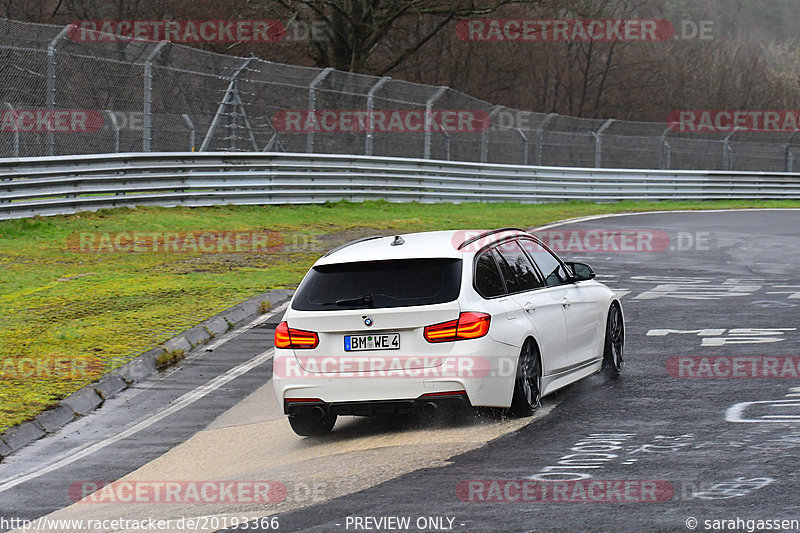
376 284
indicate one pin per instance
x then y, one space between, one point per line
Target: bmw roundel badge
368 321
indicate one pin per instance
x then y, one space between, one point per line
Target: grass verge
68 317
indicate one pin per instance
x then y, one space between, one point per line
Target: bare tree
358 30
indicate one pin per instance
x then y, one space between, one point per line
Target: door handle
565 303
529 307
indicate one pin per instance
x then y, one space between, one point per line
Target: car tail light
299 339
469 325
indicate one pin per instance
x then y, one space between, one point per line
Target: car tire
527 396
306 425
614 342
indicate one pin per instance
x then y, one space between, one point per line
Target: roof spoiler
486 234
345 245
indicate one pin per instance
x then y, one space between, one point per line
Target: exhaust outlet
318 412
429 408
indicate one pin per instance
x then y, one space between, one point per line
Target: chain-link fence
62 95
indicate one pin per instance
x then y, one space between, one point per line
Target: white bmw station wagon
413 322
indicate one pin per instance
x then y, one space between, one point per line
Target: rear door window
378 284
551 268
520 267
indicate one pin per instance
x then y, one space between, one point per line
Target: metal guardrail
68 184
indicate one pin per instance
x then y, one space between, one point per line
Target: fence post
787 153
312 106
147 121
485 136
727 151
524 146
427 122
540 137
51 84
114 124
190 125
370 118
221 109
666 154
232 120
598 142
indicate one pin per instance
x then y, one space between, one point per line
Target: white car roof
415 246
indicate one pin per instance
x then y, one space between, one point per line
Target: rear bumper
429 402
487 379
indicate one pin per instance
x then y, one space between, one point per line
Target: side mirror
581 271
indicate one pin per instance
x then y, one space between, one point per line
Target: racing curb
93 395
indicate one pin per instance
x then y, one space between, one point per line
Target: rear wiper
358 300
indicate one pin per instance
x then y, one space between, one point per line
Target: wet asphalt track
729 271
46 493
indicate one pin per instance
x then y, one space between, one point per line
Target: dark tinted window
488 282
376 284
520 265
512 285
550 267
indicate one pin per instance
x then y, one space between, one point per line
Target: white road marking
735 413
235 333
184 401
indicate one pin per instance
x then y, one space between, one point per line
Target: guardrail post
114 124
147 118
16 128
370 118
485 136
312 106
666 151
524 146
540 136
190 125
428 112
598 142
229 92
51 85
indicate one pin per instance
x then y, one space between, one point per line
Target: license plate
355 343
